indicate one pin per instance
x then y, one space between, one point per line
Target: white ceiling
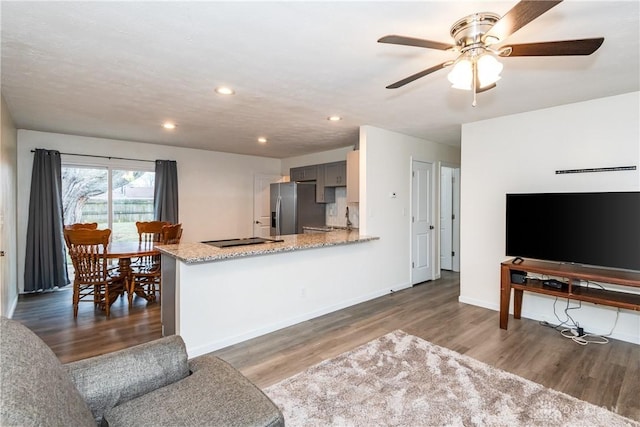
118 70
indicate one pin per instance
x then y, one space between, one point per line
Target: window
86 198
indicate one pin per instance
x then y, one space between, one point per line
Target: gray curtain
45 265
165 193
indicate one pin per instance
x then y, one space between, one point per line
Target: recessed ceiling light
334 118
169 125
224 90
262 140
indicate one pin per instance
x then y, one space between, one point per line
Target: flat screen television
592 229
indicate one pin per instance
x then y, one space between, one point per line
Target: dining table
124 252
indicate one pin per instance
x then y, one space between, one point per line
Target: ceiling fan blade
519 16
557 48
416 76
410 41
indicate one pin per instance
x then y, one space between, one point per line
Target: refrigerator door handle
278 203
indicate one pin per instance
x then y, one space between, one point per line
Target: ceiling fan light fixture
461 75
489 69
487 66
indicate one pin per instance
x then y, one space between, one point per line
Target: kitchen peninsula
215 297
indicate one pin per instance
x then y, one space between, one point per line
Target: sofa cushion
36 389
114 378
215 394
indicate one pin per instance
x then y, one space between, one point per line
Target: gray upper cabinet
303 173
327 176
335 174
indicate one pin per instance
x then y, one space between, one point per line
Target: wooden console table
567 273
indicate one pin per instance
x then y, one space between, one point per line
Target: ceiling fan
477 68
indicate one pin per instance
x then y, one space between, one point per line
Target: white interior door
261 207
421 223
446 218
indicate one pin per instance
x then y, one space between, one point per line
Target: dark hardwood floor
606 375
50 316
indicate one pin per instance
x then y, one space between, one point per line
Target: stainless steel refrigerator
293 206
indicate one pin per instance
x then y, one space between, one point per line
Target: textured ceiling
119 69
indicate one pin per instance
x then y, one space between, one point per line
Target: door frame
455 243
435 270
446 216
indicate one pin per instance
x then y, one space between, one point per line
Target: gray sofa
151 384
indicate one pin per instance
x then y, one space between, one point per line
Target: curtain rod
104 157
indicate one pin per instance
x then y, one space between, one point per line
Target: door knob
258 222
431 227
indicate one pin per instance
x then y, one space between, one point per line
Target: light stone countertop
325 228
191 253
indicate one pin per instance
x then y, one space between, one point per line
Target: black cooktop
240 242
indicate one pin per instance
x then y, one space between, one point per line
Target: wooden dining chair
149 278
150 231
146 278
145 272
93 277
82 226
171 234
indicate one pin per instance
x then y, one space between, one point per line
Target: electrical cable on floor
569 322
566 312
575 332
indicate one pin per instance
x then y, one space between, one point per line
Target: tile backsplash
335 212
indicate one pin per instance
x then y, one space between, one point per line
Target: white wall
520 153
8 188
252 296
385 167
215 189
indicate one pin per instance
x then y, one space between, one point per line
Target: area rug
402 380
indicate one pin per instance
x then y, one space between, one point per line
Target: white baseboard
12 307
479 303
